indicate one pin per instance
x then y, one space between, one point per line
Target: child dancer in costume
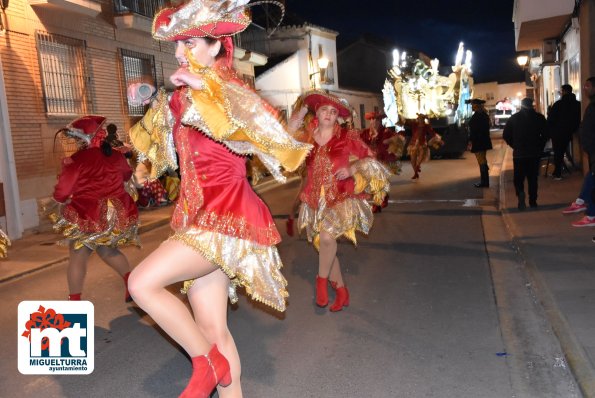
422 137
4 243
224 235
95 212
334 195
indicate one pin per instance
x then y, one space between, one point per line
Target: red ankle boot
385 201
321 291
127 296
74 297
289 226
341 298
208 371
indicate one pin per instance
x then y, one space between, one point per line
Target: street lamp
522 60
322 65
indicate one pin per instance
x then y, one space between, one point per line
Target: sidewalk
37 251
559 261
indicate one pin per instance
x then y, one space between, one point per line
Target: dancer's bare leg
336 275
77 268
296 201
113 257
170 263
208 297
327 254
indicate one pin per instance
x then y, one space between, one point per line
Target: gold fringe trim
4 244
255 267
112 235
343 219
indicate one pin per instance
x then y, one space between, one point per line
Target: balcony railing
146 8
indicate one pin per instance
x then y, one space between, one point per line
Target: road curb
577 359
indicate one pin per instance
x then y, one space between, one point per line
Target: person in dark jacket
479 139
587 130
526 133
563 120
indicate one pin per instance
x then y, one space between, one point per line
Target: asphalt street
435 312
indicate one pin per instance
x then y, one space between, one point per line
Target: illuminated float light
459 57
468 56
396 57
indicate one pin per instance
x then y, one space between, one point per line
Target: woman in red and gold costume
224 235
4 243
423 136
334 195
386 143
383 141
95 213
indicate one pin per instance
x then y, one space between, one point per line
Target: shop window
66 82
137 68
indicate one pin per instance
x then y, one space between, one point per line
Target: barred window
67 88
138 67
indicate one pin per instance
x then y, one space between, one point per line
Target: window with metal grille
137 68
67 88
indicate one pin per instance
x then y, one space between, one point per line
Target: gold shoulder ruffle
152 136
4 243
371 177
236 116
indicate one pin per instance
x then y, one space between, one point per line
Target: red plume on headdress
227 43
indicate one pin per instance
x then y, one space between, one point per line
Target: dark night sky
434 27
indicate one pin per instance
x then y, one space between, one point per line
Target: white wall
329 51
530 10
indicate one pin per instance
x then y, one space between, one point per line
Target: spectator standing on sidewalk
526 133
587 138
585 203
479 140
563 120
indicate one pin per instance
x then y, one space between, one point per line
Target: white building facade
301 71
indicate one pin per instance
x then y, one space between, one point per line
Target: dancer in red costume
224 235
422 137
95 212
386 143
334 194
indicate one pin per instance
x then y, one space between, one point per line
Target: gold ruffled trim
238 118
343 219
255 267
152 136
4 244
111 236
371 177
231 225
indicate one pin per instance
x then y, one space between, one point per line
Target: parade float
413 87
